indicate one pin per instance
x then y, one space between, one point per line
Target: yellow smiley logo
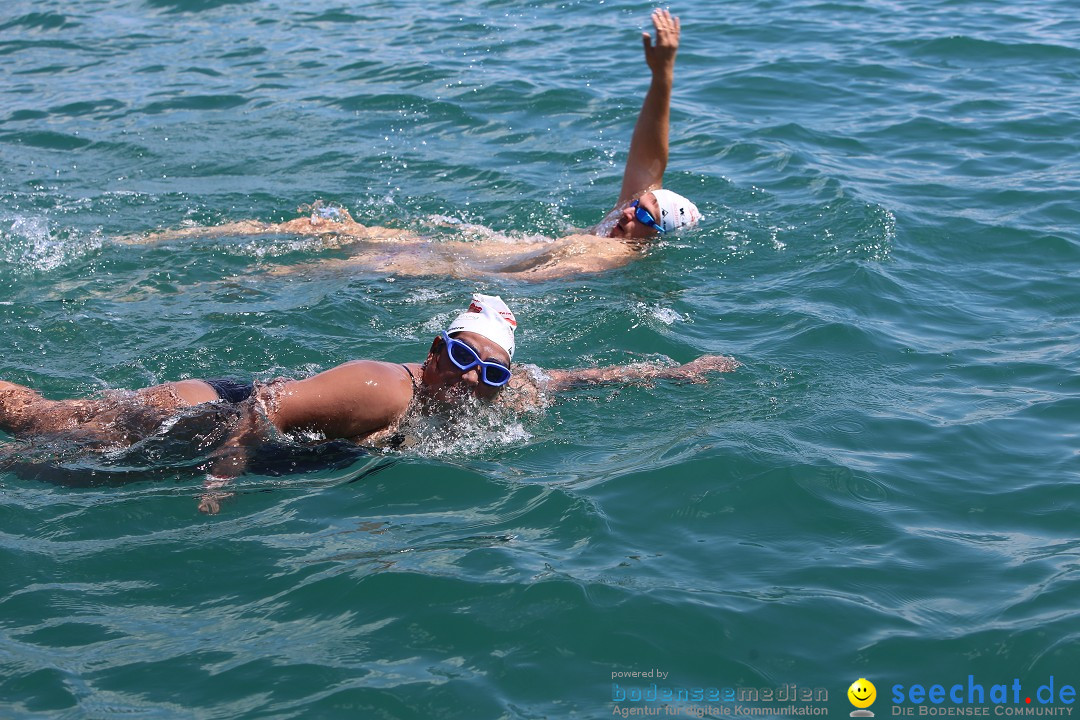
862 693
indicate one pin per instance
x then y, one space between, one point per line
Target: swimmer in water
643 211
364 401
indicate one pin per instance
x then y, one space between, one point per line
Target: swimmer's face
629 226
445 381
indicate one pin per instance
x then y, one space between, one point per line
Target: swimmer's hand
319 214
661 57
210 501
695 370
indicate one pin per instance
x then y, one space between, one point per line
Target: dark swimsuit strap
395 441
411 376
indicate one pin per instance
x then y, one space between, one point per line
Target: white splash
29 244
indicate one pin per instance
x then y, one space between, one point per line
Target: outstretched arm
693 371
649 146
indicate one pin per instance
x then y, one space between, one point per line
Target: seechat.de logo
862 694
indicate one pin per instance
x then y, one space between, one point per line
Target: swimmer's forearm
694 371
648 156
653 125
231 459
230 462
584 377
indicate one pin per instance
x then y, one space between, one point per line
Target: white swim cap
676 211
488 316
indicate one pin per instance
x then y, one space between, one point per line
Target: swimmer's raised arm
693 371
648 155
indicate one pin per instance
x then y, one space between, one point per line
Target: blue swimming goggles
465 358
645 217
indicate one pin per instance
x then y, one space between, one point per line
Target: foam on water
30 244
472 430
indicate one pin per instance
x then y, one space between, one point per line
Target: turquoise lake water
886 489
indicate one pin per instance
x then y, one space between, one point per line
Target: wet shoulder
367 371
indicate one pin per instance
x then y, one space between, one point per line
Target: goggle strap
645 217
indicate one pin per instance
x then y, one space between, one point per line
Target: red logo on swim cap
507 314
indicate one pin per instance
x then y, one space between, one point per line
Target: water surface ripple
884 489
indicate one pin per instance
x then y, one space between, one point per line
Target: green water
885 489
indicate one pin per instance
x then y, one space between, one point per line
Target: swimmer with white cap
472 355
644 209
365 401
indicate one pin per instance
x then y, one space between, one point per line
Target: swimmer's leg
16 406
244 227
25 411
